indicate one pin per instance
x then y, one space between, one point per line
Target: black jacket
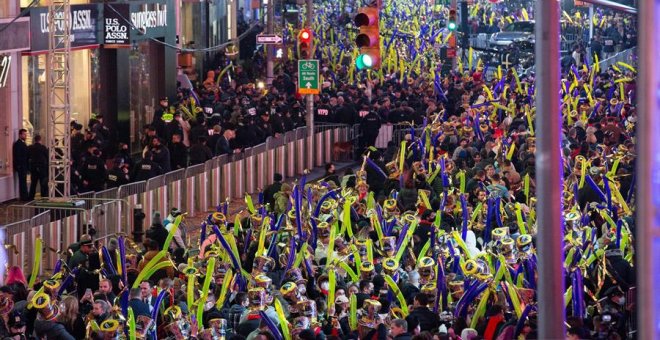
139 307
178 156
38 154
404 336
157 233
20 152
428 321
269 193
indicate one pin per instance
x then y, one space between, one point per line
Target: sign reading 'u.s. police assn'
308 77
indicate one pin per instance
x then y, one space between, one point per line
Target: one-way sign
269 39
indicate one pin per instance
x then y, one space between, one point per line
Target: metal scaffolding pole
549 173
59 99
648 172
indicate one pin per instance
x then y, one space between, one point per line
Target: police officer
369 128
264 127
324 113
93 170
118 175
147 168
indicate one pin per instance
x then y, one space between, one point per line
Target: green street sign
308 77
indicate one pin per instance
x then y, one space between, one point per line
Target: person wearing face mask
210 311
614 313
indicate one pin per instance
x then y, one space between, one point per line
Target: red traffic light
305 36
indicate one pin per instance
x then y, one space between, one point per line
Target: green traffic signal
364 61
451 26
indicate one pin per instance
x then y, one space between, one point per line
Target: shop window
84 63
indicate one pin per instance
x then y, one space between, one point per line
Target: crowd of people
433 238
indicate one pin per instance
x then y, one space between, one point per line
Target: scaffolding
59 98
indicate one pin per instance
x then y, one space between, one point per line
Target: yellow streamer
38 253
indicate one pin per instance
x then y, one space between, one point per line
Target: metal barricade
259 153
238 180
301 135
155 198
215 168
132 193
39 225
280 155
224 188
328 144
384 136
174 183
195 191
290 140
318 149
107 194
21 243
249 166
270 160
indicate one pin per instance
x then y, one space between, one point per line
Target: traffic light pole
309 107
270 20
549 168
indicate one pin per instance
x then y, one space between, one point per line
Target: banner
84 27
116 28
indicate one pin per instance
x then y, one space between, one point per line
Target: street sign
308 77
269 39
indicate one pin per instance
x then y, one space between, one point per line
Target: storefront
137 64
12 44
203 25
83 68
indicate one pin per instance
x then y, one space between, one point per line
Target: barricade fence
198 188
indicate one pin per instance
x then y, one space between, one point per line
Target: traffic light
305 38
368 40
451 21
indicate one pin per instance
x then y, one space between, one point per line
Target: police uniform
93 172
324 114
370 126
146 169
116 177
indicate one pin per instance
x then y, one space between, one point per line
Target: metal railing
196 189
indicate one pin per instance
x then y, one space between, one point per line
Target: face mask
208 306
622 301
325 285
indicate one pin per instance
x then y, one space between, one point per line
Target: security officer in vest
118 175
93 170
369 128
147 168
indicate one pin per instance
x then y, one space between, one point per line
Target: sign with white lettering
5 64
149 20
116 27
84 27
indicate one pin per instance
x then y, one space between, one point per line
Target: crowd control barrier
196 189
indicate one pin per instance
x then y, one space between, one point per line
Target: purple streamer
108 260
375 167
122 259
595 188
159 300
235 263
271 326
202 236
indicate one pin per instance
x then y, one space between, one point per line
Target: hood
511 35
